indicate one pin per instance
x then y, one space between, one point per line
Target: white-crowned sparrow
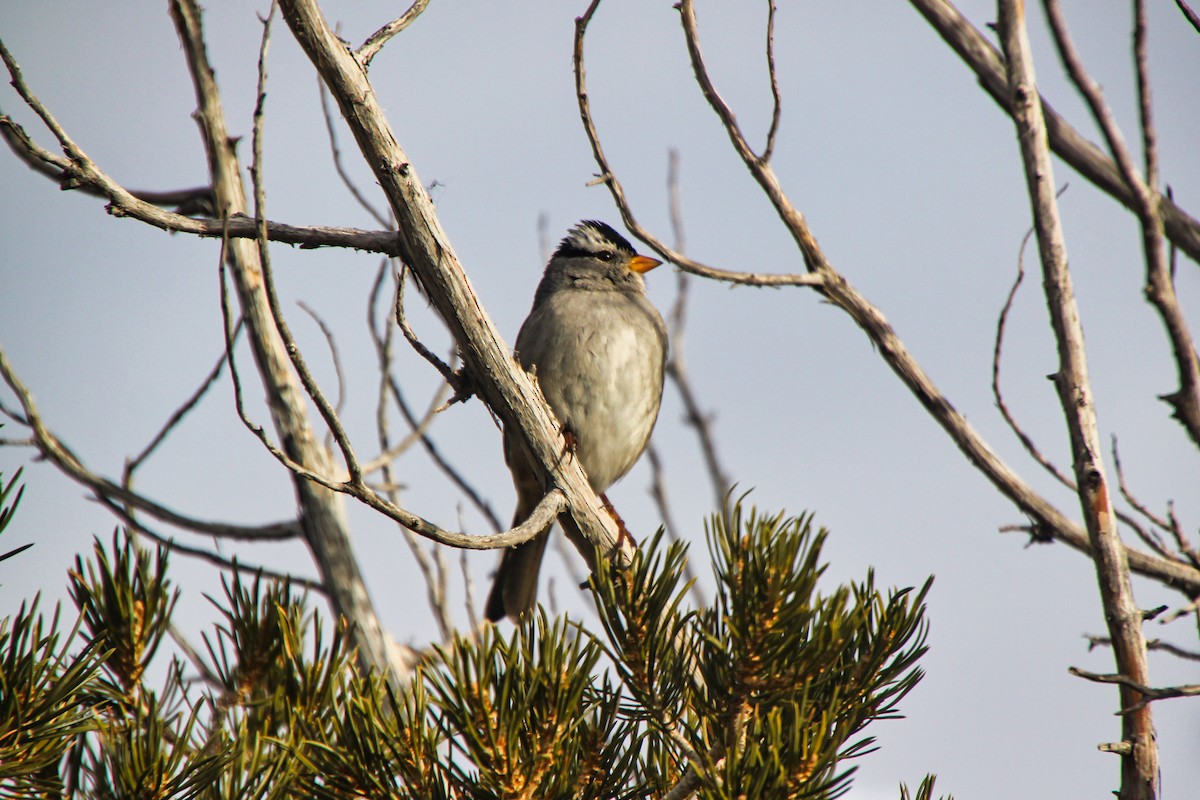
597 347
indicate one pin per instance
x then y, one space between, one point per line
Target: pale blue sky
910 178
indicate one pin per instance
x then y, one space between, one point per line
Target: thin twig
1138 506
776 102
608 177
1151 644
221 561
206 673
1149 694
1189 14
451 377
390 387
292 349
74 153
131 465
379 38
1001 324
1191 608
334 356
468 592
383 351
339 167
1145 106
1027 441
1154 542
435 579
658 491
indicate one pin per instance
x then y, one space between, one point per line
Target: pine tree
766 693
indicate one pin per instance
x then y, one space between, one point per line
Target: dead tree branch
379 38
1148 693
1145 201
1067 143
322 515
834 287
1139 767
425 248
77 171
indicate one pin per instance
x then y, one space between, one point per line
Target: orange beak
643 263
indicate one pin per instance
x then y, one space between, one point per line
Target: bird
597 347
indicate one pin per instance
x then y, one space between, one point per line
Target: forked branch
823 277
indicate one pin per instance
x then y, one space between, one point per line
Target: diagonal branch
133 464
107 491
379 38
608 177
1048 520
1067 143
1189 14
425 248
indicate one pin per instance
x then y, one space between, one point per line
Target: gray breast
598 357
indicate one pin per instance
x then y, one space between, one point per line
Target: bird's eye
606 255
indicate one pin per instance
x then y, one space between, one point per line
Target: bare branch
1145 107
461 392
468 591
1160 288
336 153
1148 694
776 102
1159 522
988 65
1049 521
18 82
1190 608
1151 644
1100 112
206 674
268 280
196 201
379 38
418 428
232 564
1189 14
1152 541
322 515
339 375
1026 441
434 574
111 493
81 173
608 177
658 491
390 387
1139 768
131 465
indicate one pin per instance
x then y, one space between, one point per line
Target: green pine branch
766 693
